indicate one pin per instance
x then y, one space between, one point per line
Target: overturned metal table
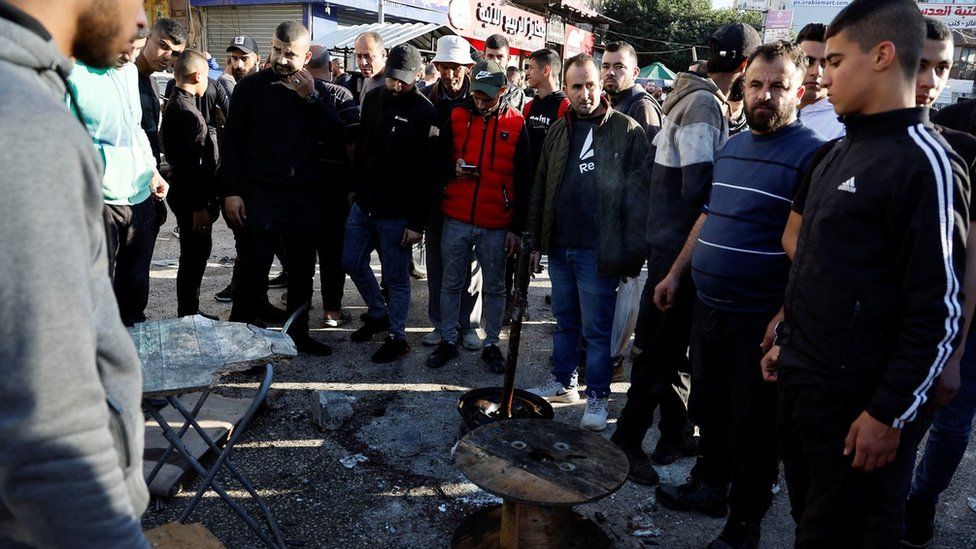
189 354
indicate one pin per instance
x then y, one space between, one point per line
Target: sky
721 3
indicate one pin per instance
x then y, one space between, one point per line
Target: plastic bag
625 314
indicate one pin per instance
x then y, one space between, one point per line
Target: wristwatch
312 98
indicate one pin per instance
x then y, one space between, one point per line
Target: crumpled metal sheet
182 354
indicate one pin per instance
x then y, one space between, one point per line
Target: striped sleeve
936 217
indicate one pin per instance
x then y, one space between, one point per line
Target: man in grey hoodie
71 429
695 127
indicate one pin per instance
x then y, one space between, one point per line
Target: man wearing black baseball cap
391 205
696 125
484 206
243 59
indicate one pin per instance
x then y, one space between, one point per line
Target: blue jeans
583 302
457 241
949 435
470 316
365 233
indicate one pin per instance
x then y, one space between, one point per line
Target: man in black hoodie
391 202
872 309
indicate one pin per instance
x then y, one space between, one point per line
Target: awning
423 36
572 11
657 71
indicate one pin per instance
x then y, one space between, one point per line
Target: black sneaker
442 354
737 535
280 281
641 470
372 327
493 359
919 523
305 344
666 454
393 349
271 315
695 495
225 295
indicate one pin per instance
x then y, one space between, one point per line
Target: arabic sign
578 41
753 5
774 35
779 19
954 16
822 3
479 19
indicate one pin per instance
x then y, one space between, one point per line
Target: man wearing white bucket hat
453 61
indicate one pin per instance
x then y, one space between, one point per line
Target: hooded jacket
695 127
108 102
71 427
620 148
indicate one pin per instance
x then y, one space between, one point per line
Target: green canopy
657 70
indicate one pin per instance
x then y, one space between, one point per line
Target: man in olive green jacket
588 212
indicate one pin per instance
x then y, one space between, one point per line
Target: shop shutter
223 23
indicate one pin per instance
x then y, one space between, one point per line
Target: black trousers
335 210
660 375
131 238
275 215
735 410
194 253
834 505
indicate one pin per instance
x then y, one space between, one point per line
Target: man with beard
619 71
243 59
371 59
270 174
107 100
71 427
695 127
816 110
391 204
453 62
740 269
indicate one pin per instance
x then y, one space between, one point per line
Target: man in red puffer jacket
489 180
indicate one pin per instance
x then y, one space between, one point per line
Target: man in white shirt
816 111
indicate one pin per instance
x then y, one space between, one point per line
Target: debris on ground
350 461
275 399
329 409
972 503
642 526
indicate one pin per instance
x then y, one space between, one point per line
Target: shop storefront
476 20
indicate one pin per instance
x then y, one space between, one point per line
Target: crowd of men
802 221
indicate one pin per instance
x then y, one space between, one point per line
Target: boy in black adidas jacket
873 306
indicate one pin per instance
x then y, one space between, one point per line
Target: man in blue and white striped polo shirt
740 271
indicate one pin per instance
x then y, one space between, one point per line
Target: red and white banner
479 19
955 16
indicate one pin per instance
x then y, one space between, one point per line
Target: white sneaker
432 338
471 341
595 416
553 391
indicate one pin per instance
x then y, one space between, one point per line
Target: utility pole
379 12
